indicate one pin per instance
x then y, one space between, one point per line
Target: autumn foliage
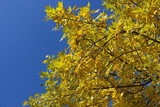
112 60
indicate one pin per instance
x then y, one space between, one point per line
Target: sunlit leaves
107 62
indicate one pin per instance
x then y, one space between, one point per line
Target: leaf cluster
107 63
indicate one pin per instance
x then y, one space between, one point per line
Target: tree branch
125 86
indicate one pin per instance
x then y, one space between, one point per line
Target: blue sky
25 40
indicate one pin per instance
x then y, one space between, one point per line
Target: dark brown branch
118 58
90 40
129 64
108 81
86 22
125 86
139 57
101 47
145 36
133 32
135 92
83 56
135 3
150 38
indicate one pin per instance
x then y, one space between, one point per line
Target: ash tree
112 60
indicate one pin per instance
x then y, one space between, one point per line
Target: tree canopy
112 60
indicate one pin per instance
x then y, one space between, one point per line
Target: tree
112 60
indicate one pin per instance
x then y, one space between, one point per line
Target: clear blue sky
25 40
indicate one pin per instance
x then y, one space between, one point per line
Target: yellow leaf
88 5
25 103
60 5
110 29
